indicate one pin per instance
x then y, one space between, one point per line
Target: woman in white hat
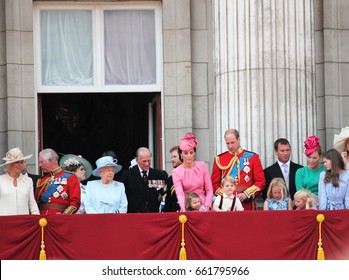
105 195
82 169
341 144
16 190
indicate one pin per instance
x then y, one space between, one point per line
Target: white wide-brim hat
339 140
14 155
69 159
104 162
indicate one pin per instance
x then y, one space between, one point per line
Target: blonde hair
304 194
228 179
188 198
277 182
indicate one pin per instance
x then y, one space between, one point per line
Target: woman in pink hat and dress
308 176
16 189
192 175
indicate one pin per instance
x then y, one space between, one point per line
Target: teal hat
70 159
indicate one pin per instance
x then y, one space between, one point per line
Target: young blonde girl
277 196
227 201
193 202
304 199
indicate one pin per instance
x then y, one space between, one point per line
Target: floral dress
278 204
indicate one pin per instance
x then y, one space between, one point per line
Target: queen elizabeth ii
105 195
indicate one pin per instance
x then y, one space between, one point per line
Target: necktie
15 182
285 171
145 176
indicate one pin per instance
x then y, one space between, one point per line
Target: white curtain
130 54
66 47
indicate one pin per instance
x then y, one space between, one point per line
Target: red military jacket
65 189
246 168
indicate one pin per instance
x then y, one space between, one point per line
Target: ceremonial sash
53 187
243 160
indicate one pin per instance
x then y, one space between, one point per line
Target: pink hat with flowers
188 142
311 144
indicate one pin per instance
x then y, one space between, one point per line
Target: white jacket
17 200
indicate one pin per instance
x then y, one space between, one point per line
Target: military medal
247 179
55 194
64 195
161 184
247 169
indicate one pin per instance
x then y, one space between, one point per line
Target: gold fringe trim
320 251
42 223
231 163
182 253
229 167
70 210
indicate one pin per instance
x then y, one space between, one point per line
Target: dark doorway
89 124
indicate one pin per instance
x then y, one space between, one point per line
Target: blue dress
105 198
278 204
334 198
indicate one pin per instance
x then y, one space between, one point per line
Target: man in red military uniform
244 166
58 192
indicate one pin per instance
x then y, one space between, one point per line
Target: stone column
178 110
3 93
264 73
332 66
19 71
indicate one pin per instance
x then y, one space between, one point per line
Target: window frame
97 10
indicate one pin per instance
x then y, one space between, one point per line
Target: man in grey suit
283 167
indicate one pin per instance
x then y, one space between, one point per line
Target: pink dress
197 179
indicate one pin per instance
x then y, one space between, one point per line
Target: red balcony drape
247 235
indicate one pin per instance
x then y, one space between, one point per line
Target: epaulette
248 154
223 153
246 151
40 183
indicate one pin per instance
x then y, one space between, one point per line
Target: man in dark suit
34 177
283 168
144 185
171 202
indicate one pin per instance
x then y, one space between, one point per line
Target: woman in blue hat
105 195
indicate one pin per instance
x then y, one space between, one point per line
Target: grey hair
142 149
49 154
